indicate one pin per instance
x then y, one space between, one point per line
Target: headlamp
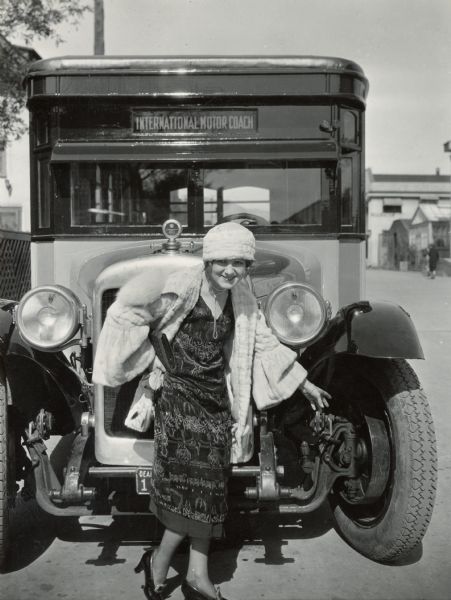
296 313
48 317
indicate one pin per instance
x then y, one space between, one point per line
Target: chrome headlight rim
75 307
324 308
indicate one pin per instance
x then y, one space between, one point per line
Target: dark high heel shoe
151 591
192 593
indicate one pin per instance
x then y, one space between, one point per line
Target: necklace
214 293
216 310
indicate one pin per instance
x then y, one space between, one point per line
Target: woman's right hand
317 397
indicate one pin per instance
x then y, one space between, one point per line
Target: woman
223 351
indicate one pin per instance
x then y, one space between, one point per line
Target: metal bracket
87 422
326 469
267 488
72 491
85 325
46 480
39 429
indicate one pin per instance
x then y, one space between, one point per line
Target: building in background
14 161
391 198
430 225
395 246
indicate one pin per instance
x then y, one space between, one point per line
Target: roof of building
397 223
413 178
407 186
436 213
432 212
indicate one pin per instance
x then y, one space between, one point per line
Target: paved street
291 560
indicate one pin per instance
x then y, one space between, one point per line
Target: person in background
223 352
433 258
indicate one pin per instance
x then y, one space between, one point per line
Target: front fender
373 329
6 329
43 380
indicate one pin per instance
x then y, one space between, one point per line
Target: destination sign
193 121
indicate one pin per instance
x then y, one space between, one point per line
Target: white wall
378 221
18 174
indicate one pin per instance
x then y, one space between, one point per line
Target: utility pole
99 36
447 148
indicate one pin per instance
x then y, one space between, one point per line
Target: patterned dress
193 429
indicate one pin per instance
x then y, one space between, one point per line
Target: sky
404 47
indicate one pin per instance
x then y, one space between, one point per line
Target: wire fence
15 275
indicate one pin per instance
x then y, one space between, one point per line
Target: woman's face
226 273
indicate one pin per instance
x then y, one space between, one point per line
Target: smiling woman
202 404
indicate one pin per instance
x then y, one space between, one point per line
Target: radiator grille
15 278
117 400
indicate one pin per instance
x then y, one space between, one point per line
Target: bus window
349 129
42 128
43 189
161 193
277 193
283 193
251 201
126 194
178 205
349 205
248 199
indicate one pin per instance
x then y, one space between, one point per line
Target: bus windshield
199 195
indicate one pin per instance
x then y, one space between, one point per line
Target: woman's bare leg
161 558
197 574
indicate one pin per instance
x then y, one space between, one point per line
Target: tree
25 21
99 19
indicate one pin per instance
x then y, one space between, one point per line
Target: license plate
143 481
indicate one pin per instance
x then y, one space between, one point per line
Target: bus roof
76 71
202 64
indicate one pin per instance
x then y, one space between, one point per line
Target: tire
383 398
5 470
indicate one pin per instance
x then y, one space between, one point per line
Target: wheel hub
373 454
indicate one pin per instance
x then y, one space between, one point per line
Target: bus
133 159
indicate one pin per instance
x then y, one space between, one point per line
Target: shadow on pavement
268 530
31 532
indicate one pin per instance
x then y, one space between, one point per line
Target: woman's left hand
317 397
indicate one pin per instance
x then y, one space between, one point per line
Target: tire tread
423 459
402 528
3 477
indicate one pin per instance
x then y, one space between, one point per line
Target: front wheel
384 512
6 475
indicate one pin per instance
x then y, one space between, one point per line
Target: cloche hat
228 240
